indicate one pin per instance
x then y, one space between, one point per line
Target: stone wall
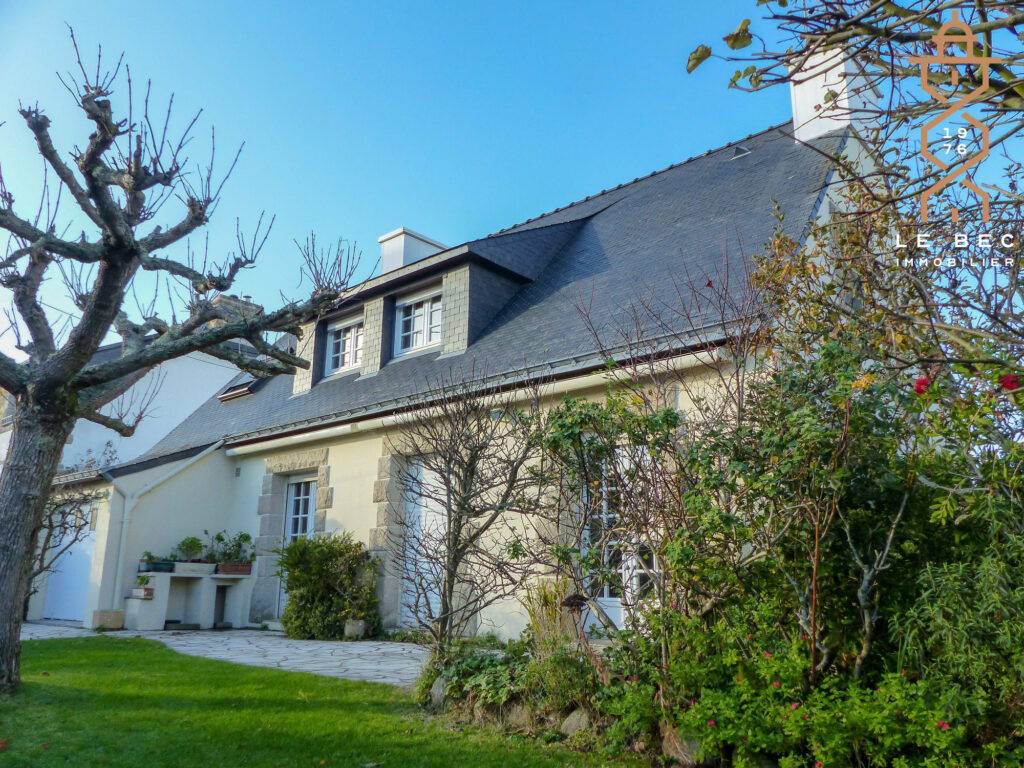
302 381
378 321
473 296
386 538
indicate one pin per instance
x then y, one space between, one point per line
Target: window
418 323
625 566
344 347
299 511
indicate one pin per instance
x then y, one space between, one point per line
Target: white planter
355 628
195 569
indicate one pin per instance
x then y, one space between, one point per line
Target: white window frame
350 324
429 338
300 508
631 566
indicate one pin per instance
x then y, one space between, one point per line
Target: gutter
132 499
383 422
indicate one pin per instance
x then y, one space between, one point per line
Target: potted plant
141 589
232 554
355 629
188 558
153 564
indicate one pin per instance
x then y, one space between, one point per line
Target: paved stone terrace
379 662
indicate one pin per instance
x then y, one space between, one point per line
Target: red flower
943 725
767 655
776 684
711 723
794 705
1009 381
818 765
921 384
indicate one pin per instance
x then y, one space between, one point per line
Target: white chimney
403 246
831 93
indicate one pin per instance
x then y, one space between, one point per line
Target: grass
117 702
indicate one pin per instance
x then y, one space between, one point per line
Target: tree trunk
37 443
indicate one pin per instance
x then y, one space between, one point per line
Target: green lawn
117 702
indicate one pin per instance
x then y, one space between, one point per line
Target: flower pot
143 593
355 628
156 566
243 568
194 569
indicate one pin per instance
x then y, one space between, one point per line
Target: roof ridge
508 230
505 230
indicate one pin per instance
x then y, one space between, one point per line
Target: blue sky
453 119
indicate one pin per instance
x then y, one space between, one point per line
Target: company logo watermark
957 151
954 34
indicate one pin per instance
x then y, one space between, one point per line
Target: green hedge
328 579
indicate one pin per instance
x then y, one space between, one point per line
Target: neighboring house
288 456
169 393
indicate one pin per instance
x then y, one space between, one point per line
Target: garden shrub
488 675
328 579
561 680
556 683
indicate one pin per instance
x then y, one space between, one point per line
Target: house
167 395
291 455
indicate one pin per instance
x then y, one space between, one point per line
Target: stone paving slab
374 661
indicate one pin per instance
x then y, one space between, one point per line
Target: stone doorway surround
270 518
389 497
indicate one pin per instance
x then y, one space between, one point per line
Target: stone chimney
403 246
233 303
829 94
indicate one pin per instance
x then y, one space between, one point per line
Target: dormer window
344 349
417 322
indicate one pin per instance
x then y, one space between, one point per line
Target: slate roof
646 239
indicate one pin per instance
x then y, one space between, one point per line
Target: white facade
174 390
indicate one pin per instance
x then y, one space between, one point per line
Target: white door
68 586
298 520
424 545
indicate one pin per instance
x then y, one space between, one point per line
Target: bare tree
465 482
119 183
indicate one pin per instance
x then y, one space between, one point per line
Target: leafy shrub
488 676
328 579
557 682
414 636
740 691
189 548
561 680
230 549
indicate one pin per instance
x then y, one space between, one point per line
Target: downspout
132 499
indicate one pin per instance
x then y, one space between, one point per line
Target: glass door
298 520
